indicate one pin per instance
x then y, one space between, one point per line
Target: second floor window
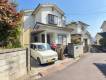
52 19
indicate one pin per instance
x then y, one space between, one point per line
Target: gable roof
47 5
76 23
83 23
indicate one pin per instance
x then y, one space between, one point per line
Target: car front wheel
39 61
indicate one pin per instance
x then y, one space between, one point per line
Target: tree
76 39
10 21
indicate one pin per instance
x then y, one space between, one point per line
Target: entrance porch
50 36
50 33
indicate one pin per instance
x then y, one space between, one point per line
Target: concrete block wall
12 64
78 51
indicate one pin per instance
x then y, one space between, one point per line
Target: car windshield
44 47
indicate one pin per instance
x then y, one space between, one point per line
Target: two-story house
45 24
102 34
80 35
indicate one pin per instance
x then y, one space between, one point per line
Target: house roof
104 24
78 22
27 11
72 23
83 23
48 5
103 34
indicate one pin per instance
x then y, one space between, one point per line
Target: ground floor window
62 39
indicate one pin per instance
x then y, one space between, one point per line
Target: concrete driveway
91 67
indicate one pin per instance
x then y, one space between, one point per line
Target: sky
92 12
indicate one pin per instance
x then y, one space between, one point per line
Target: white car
43 53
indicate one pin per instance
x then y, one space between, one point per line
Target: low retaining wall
12 64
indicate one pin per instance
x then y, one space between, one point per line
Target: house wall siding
38 17
79 30
43 16
104 29
26 37
28 20
76 29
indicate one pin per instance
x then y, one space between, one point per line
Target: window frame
52 19
61 38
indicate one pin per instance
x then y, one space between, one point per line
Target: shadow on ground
97 49
34 63
101 67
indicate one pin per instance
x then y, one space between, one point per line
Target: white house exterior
102 34
47 24
43 10
80 30
98 37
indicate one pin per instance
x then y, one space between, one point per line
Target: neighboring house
80 35
101 34
45 24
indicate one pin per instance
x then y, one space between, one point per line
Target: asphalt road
91 67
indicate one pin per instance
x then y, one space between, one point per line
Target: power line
86 13
37 1
84 10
